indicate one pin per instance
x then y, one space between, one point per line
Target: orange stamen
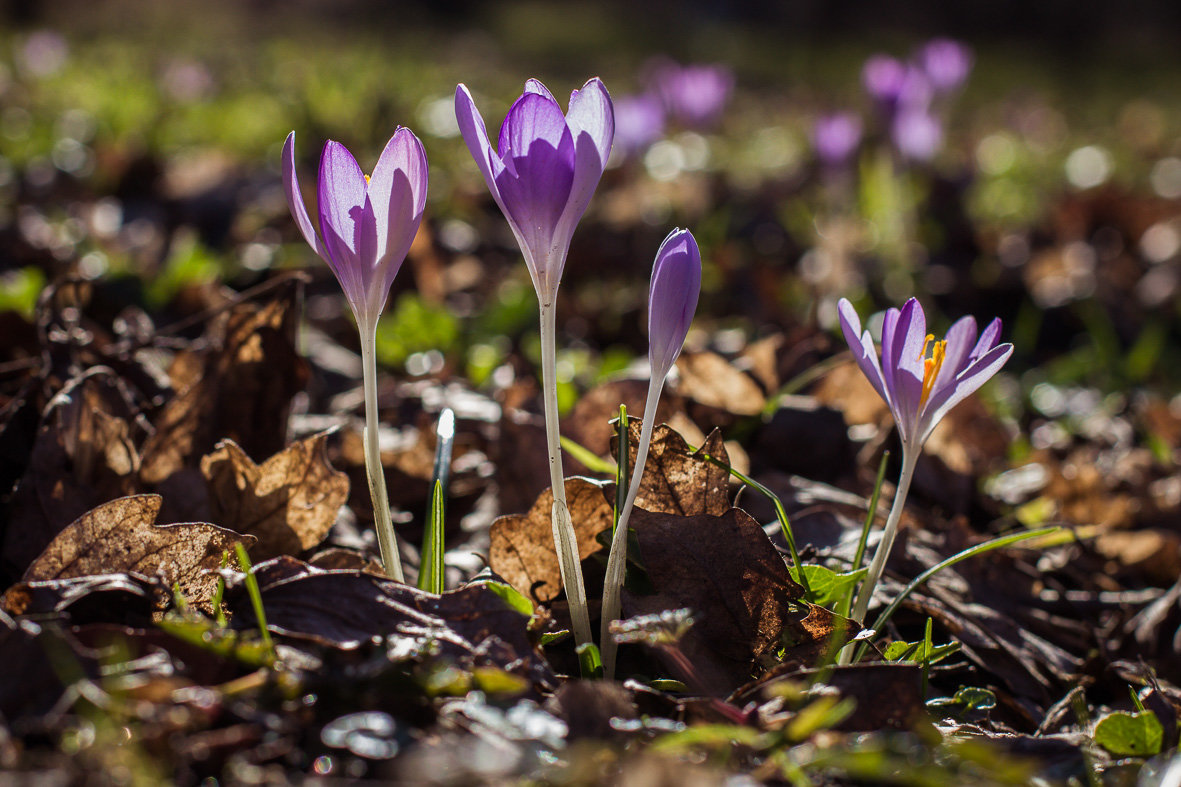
931 367
366 178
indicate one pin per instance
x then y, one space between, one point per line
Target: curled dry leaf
750 611
677 480
84 453
240 386
522 549
288 503
121 536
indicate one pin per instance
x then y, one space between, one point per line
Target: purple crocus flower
694 95
836 137
946 63
639 121
882 77
546 169
367 223
920 390
917 133
672 299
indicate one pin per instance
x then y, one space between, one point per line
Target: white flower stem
565 539
383 522
617 561
910 457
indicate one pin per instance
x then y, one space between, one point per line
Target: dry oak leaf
522 548
678 480
289 502
121 536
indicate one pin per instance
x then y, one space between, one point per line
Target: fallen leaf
677 480
522 548
748 608
239 387
83 455
288 503
589 423
121 536
709 379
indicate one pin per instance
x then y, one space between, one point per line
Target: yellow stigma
931 366
366 178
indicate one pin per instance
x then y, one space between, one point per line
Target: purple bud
639 121
946 63
917 134
672 299
544 170
836 137
366 223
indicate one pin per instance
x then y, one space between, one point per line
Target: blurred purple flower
917 133
672 299
43 53
366 223
946 63
918 389
639 121
693 95
836 137
187 81
883 77
546 170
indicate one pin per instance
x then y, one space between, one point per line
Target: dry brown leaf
522 549
289 502
711 380
589 423
121 536
677 480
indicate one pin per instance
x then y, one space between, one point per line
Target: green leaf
1130 734
970 698
827 587
589 660
918 652
592 462
513 598
431 571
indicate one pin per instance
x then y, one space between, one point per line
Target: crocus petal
397 191
909 337
987 338
672 298
968 382
538 151
295 198
475 134
960 338
889 324
535 86
344 220
861 345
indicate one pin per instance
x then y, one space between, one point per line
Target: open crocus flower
921 388
367 223
544 170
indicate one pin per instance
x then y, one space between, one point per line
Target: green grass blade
255 597
979 549
580 453
621 474
431 571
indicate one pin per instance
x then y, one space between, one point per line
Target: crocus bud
917 134
367 223
672 299
546 169
882 77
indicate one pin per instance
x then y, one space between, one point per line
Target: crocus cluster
906 94
692 97
921 379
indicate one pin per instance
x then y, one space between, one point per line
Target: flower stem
910 457
617 561
383 522
565 539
